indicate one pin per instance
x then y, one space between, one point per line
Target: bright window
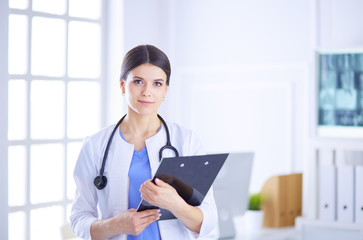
54 100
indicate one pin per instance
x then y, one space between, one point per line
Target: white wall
340 23
146 22
243 70
242 32
256 53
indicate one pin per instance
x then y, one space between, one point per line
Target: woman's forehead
147 71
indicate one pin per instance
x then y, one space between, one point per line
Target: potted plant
254 214
255 202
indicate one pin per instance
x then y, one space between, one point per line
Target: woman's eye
158 84
138 81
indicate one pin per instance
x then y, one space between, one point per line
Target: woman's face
145 88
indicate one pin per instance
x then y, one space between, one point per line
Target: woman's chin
145 111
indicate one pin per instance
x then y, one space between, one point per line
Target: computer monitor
231 191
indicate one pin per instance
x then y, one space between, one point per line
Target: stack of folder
358 194
341 193
282 200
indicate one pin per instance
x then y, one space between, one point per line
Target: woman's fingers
160 183
138 221
150 215
160 194
142 225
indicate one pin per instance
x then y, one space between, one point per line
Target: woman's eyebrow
155 80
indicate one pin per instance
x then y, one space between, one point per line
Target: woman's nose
146 90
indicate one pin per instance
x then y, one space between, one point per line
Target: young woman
105 206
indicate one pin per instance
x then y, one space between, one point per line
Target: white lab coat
113 199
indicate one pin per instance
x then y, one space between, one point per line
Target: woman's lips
145 102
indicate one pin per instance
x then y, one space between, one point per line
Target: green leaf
255 201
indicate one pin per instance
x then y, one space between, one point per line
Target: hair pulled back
143 54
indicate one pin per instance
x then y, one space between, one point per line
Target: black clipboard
191 176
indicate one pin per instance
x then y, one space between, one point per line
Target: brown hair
145 54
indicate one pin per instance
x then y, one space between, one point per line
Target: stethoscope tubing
101 181
109 144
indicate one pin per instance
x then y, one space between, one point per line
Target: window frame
5 143
4 25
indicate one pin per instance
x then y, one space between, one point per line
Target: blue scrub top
139 172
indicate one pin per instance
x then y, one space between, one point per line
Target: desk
292 233
265 233
285 233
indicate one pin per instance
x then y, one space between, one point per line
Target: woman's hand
165 196
132 222
127 222
160 194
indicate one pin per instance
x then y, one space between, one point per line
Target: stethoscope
100 181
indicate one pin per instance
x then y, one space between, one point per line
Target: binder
327 193
345 194
359 194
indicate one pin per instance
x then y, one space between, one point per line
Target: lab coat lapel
119 169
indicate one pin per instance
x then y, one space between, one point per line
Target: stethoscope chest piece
100 182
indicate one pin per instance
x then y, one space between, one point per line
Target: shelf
316 229
354 145
301 222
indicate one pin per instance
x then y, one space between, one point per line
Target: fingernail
159 215
158 210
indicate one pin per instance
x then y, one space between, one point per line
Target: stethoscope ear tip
100 182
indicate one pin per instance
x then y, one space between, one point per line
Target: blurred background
243 77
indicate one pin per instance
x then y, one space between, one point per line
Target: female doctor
133 158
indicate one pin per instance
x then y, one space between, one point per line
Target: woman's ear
122 86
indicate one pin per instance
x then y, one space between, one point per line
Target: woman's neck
140 125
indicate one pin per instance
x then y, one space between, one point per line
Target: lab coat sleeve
208 206
84 209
